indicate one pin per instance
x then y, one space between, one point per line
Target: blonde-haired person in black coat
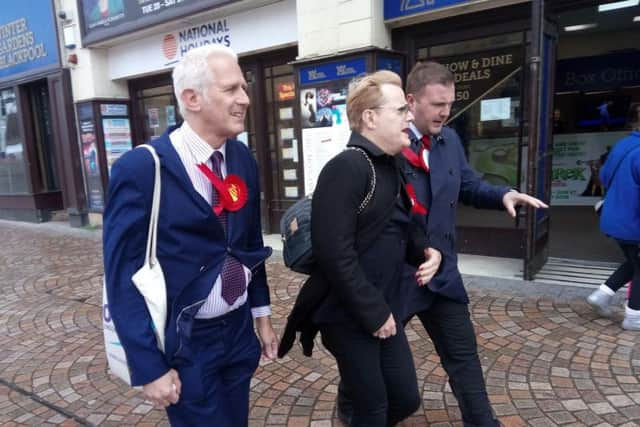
360 314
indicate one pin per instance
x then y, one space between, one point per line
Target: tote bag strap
150 254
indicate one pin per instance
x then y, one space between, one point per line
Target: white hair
193 71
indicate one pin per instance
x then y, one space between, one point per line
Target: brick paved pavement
547 359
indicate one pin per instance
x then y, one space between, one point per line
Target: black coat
356 271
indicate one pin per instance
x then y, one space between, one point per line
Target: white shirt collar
415 131
199 148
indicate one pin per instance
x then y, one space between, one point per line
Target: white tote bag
149 280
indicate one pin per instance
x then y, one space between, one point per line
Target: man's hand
268 337
387 330
430 267
165 390
514 198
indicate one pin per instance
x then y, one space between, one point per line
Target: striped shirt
192 151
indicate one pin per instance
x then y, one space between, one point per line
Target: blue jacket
450 180
191 249
621 210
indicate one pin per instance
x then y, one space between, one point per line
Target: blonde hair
365 93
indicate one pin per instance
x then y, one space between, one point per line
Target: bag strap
372 189
150 254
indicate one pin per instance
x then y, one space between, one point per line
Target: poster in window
577 159
286 91
88 143
154 117
171 115
102 13
117 139
113 109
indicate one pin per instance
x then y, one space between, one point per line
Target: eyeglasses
401 110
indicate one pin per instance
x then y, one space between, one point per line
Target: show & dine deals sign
476 74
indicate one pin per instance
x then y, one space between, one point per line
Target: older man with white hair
209 243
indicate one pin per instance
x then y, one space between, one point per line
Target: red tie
426 142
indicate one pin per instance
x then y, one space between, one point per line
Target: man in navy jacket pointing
441 179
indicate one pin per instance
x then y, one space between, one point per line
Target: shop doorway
596 103
271 132
46 171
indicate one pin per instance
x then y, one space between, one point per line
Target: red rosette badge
235 194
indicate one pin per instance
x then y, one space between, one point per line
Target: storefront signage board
594 73
392 64
257 29
400 8
331 71
28 38
102 20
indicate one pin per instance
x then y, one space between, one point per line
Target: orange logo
169 46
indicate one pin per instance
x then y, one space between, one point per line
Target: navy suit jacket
192 246
450 180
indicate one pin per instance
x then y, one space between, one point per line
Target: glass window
487 113
13 171
159 109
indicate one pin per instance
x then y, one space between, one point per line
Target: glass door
286 171
154 107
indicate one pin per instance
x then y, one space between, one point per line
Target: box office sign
105 19
477 74
28 39
601 72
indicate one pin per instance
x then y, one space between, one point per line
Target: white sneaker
631 320
600 301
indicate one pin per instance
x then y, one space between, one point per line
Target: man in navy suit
209 245
439 171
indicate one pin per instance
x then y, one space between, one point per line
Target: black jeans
628 271
449 325
378 375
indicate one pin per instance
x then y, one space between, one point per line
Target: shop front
596 103
39 171
500 54
264 36
539 102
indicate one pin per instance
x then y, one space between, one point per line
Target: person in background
620 220
209 244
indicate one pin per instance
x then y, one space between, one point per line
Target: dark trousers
378 375
628 271
216 377
449 325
